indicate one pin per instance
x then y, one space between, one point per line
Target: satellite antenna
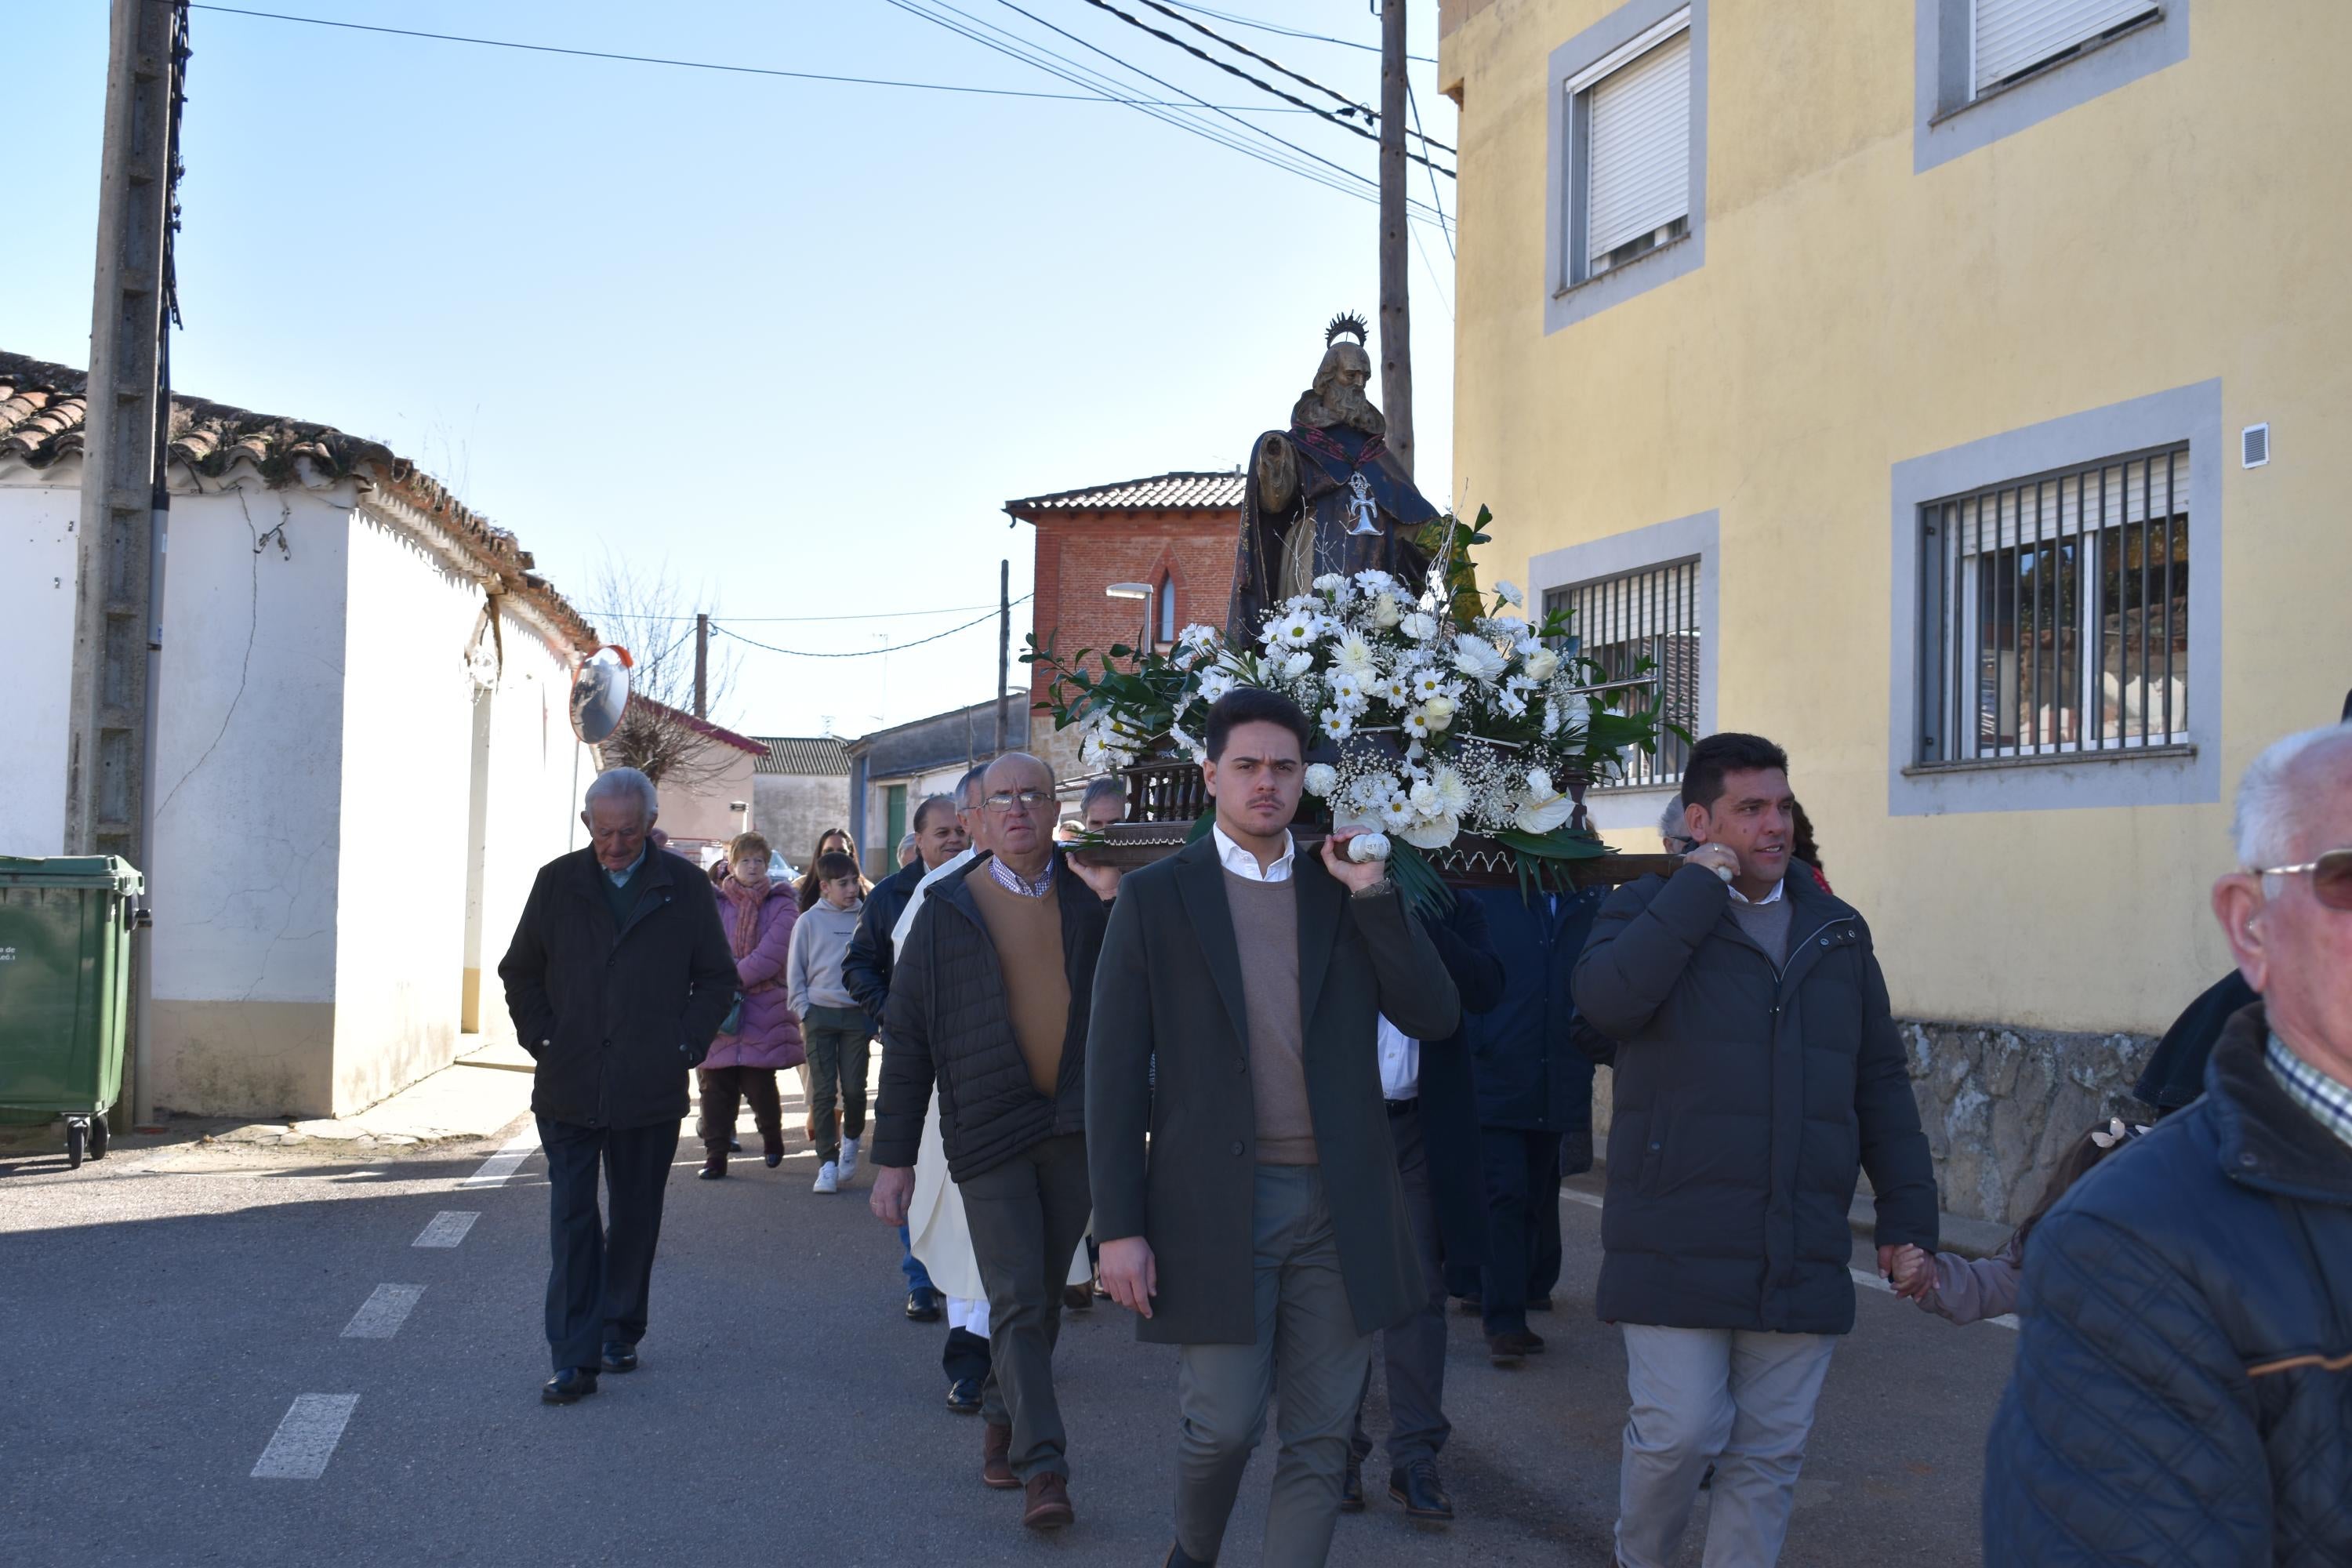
600 694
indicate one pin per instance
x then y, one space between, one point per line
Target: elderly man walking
2183 1385
617 978
1264 1227
1758 1070
989 1004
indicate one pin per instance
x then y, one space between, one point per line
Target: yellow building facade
1964 429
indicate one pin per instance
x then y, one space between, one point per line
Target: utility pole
702 667
1396 316
1003 644
119 556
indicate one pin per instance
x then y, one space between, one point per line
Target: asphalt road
164 1312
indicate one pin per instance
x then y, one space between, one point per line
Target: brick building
1174 534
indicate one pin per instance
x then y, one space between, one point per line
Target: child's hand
1914 1272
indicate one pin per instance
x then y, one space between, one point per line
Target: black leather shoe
1423 1495
734 1146
569 1386
1511 1349
1469 1306
1541 1304
922 1306
1176 1558
714 1169
1351 1486
963 1396
620 1357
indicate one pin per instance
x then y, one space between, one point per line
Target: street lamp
1135 591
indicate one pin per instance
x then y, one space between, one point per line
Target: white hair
2264 825
615 782
1672 823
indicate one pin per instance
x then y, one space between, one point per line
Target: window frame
2183 769
1950 119
1626 595
1573 292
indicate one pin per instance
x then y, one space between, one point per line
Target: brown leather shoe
1511 1349
996 1458
1049 1502
1077 1298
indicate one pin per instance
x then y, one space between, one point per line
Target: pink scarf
747 900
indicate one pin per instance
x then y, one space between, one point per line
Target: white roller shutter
1638 148
2012 35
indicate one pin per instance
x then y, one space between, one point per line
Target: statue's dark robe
1327 460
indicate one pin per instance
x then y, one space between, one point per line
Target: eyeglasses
1032 798
2331 876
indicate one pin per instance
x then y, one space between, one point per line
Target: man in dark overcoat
1757 1073
1262 1228
617 978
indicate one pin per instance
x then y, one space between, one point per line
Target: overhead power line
864 653
1370 115
686 65
800 620
1253 23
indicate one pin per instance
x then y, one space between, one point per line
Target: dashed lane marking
381 1315
447 1229
506 1161
306 1439
1861 1276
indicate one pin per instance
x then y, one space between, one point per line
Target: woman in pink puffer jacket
741 1066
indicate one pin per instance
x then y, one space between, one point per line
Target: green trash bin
65 991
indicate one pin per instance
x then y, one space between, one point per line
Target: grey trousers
1738 1399
1306 1344
1413 1352
1025 1217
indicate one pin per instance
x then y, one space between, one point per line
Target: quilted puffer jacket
2182 1395
947 1022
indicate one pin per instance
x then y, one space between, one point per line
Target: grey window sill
2055 759
1621 268
2042 71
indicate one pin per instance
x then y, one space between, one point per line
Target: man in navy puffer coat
2183 1393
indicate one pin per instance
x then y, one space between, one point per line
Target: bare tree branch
648 612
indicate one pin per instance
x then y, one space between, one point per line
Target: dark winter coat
2175 1073
865 967
1747 1099
616 1016
947 1023
1449 1086
1531 1077
2182 1395
1171 986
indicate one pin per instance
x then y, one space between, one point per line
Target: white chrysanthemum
1420 626
1368 847
1386 611
1355 656
1542 664
1477 657
1453 791
1296 665
1336 725
1372 580
1331 582
1322 778
1508 593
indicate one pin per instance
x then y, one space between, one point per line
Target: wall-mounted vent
2255 446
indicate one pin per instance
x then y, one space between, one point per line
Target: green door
894 813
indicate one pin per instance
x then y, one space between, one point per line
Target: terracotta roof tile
1183 491
817 755
42 421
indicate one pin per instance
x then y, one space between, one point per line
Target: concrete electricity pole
119 566
1396 323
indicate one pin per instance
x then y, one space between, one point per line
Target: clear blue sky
797 342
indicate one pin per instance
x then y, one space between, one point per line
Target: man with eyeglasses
988 1002
2183 1384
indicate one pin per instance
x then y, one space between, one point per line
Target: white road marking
306 1439
507 1160
447 1229
1861 1276
381 1315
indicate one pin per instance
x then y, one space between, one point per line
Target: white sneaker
848 1160
828 1179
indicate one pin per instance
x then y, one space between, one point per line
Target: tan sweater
1265 927
1028 937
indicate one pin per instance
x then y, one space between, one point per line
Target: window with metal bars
2054 612
1637 623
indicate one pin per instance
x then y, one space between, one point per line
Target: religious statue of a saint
1326 495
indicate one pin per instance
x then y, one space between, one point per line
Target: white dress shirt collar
1241 863
1771 898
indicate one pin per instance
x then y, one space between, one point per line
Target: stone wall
1999 1105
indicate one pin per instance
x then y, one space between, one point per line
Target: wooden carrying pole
1396 323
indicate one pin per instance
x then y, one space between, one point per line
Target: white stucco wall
37 609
